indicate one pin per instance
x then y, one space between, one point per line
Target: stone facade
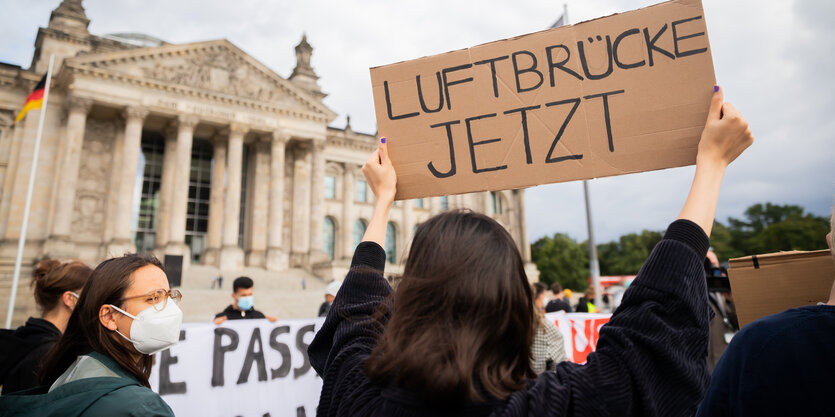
285 189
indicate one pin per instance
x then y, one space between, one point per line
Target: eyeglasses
159 298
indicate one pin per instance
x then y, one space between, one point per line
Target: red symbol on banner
584 335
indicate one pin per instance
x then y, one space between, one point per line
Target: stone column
519 197
488 203
214 234
259 207
301 206
407 228
317 203
179 190
169 164
348 183
232 255
121 243
277 259
59 244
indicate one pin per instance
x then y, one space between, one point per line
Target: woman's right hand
380 175
726 133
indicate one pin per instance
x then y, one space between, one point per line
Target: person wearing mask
455 338
586 302
100 366
242 306
786 356
57 288
548 349
330 294
559 303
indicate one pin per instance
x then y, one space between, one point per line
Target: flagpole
21 242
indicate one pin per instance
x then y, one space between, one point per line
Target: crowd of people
463 334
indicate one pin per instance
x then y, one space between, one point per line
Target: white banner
580 332
246 368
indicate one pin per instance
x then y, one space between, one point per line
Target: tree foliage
764 228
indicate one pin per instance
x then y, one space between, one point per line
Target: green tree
627 254
561 259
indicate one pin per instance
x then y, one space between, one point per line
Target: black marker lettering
219 350
388 105
584 60
448 83
606 113
302 347
526 138
165 361
483 142
431 165
532 68
561 65
254 357
440 95
281 348
677 38
549 159
618 40
492 62
651 44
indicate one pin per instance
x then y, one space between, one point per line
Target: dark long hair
85 333
462 322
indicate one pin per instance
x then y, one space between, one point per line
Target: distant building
196 150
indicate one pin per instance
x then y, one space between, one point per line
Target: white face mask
152 330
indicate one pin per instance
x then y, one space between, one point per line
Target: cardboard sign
621 94
768 284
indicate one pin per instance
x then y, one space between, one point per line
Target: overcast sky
773 58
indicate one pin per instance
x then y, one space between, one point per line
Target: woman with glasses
101 364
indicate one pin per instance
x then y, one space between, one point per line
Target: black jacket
233 314
650 358
558 305
21 353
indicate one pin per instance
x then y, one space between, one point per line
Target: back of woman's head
462 320
52 278
85 333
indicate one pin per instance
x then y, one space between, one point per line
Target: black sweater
22 351
650 358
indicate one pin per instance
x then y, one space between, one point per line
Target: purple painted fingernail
715 88
382 140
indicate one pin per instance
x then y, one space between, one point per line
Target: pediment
218 67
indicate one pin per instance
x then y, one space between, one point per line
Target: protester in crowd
330 294
779 365
723 325
242 307
57 288
100 366
548 349
559 303
586 302
456 337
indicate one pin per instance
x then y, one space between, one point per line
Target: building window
328 239
496 200
148 179
444 203
362 191
244 181
419 203
199 196
391 243
359 232
330 187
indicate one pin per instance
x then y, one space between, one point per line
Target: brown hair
462 324
52 278
539 317
556 288
85 333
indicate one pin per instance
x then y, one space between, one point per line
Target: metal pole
594 266
21 242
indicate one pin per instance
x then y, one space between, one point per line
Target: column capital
318 145
187 121
238 128
79 104
135 112
279 137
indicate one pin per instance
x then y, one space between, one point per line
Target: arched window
444 203
328 242
391 243
498 206
330 187
419 203
359 231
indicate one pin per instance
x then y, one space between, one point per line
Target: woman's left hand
380 175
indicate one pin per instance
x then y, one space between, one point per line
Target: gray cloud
772 58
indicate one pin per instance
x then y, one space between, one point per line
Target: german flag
34 101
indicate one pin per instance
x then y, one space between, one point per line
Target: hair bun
44 267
